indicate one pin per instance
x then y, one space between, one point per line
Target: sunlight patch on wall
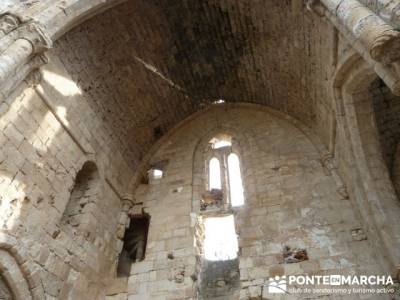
221 141
11 196
61 112
63 85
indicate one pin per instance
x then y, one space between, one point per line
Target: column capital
34 78
35 33
128 201
316 7
386 46
327 161
8 23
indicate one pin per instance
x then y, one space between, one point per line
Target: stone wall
387 116
291 200
48 131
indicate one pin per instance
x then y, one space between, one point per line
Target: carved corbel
128 201
123 222
34 76
385 47
137 210
31 31
316 7
342 191
37 36
177 274
8 23
328 163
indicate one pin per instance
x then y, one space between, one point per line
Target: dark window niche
135 241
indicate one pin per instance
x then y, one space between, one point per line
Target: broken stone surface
213 198
358 234
291 256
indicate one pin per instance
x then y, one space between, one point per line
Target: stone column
377 41
379 38
29 41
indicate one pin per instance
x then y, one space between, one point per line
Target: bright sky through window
215 174
220 144
220 241
219 101
235 180
157 174
221 141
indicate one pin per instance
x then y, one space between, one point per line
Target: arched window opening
216 236
220 242
235 180
215 174
218 101
83 196
221 141
157 173
225 185
135 241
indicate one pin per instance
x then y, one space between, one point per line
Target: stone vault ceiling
147 64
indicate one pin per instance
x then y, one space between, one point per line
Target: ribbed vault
146 65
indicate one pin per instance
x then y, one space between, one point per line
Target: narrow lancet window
235 180
215 174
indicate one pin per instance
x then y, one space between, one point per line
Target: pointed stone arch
17 273
362 162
